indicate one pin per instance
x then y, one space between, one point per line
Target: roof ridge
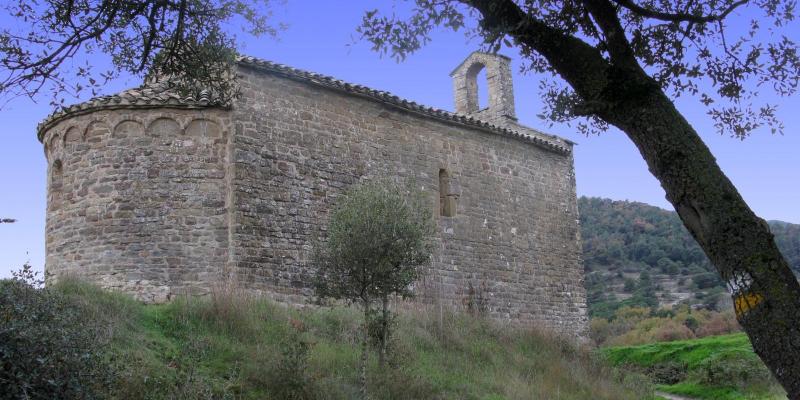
392 99
151 94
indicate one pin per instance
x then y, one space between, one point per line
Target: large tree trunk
765 293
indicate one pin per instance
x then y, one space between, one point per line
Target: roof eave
397 102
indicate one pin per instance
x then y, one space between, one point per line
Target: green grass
715 368
704 392
691 352
232 346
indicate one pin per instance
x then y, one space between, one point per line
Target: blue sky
321 38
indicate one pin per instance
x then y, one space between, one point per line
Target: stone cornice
159 94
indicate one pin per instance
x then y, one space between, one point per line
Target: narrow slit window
447 199
56 177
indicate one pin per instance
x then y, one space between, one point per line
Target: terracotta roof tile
163 94
149 95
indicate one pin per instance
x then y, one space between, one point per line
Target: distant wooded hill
639 255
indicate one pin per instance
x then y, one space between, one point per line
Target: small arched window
56 175
447 199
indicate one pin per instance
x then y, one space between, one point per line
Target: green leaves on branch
48 349
379 235
723 53
49 50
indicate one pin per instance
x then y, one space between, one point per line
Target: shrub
630 285
635 325
668 373
719 324
47 350
289 379
599 330
736 369
692 323
672 330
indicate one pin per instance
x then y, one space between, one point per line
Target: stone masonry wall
511 250
137 199
159 201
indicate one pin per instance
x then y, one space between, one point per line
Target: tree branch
577 62
678 17
605 16
150 38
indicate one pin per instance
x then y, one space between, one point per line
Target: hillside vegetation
232 346
639 255
714 368
640 325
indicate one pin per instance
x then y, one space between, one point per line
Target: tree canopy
377 237
184 38
725 53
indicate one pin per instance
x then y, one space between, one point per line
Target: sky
321 37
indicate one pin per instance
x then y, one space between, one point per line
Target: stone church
157 195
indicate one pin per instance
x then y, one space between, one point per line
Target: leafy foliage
183 38
377 238
736 369
724 53
47 349
640 325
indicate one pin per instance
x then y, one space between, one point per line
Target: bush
668 373
599 330
633 325
47 350
672 330
736 369
289 379
719 324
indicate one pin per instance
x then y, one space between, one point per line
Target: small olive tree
379 235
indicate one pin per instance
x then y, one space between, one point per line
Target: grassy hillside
639 255
230 346
714 368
